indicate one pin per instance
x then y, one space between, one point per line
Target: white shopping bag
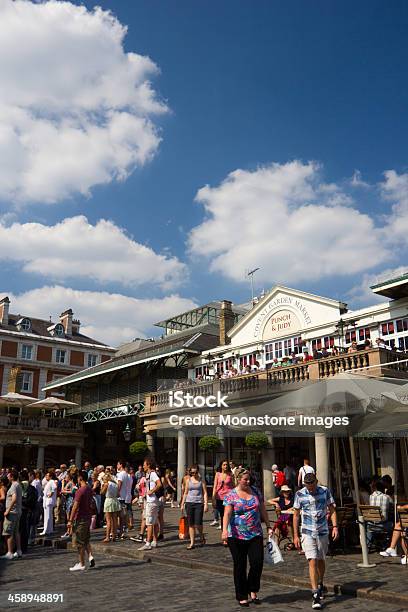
273 554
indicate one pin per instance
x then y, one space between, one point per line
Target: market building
283 322
34 352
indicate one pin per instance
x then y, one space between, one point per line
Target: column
40 457
219 432
78 456
268 459
201 463
1 454
181 460
322 461
387 458
190 449
150 443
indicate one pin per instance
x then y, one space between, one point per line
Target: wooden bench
372 516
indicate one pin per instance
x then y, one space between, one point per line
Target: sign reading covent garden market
284 321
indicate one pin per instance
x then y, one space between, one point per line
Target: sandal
106 541
190 547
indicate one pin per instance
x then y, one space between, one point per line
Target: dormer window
57 330
24 324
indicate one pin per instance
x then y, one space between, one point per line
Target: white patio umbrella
16 399
52 403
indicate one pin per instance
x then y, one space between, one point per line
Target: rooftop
392 288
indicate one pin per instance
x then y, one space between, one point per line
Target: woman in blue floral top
244 511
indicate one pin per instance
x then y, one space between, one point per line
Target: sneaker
91 561
77 568
388 552
219 527
146 546
214 523
8 556
154 544
18 555
316 605
66 536
138 538
404 560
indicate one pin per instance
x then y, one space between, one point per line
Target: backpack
29 498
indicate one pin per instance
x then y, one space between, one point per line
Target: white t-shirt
123 477
128 498
50 488
151 481
305 469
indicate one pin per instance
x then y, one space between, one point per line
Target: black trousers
242 551
219 504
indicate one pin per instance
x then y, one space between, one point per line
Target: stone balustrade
39 423
374 362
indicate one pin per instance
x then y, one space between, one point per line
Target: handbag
183 528
273 554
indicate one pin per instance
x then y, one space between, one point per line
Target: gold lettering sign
281 323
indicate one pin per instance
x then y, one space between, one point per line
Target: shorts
11 525
151 513
315 547
81 533
194 513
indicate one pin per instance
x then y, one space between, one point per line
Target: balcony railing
35 423
375 362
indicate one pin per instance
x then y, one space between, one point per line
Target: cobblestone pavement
129 585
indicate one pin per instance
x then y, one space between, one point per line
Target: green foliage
209 443
138 449
256 440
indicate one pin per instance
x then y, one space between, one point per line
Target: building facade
34 352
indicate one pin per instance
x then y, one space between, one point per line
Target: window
26 351
60 356
25 324
26 382
268 352
403 343
387 328
402 325
351 336
364 334
92 360
59 330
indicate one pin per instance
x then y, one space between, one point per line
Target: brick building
34 352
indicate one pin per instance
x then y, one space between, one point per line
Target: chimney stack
226 321
4 311
76 324
66 320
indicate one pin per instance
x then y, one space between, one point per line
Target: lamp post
127 433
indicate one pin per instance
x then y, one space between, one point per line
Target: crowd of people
83 499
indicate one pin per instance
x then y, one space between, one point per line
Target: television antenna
251 274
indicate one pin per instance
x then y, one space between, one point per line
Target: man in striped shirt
312 503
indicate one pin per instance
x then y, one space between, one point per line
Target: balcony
266 383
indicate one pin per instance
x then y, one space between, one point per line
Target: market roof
393 288
193 341
208 313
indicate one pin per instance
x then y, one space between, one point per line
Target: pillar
181 460
387 458
201 463
322 460
268 459
219 432
150 443
1 455
312 452
190 450
40 457
78 456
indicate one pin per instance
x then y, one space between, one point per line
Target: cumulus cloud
109 317
362 294
286 220
74 248
76 110
394 189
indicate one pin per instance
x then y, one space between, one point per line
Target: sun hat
285 488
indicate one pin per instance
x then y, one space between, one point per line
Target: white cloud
357 181
74 248
75 108
285 220
362 294
109 317
394 189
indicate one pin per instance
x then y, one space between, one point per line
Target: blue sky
246 85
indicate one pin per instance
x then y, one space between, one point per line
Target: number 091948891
14 599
